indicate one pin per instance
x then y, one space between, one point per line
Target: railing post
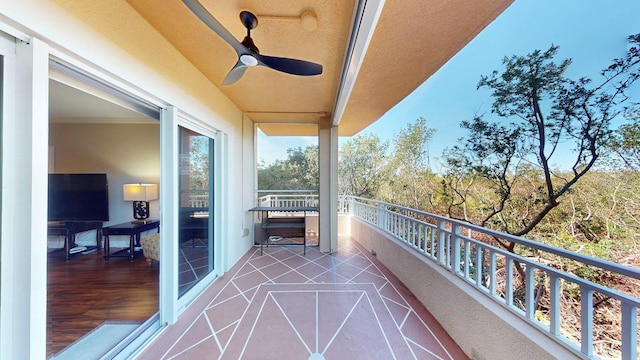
381 216
442 237
629 331
352 202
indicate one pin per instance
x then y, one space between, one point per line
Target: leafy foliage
298 172
541 115
362 166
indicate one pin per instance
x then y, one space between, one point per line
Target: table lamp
140 194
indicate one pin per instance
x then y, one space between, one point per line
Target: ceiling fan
248 53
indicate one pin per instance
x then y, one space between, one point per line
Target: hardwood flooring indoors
85 291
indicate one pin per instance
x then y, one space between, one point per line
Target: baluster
554 304
492 272
456 248
478 265
467 258
509 282
441 240
530 282
586 321
432 240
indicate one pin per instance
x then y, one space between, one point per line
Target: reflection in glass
196 208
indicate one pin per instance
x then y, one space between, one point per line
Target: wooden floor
86 291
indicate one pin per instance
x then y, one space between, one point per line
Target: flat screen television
78 197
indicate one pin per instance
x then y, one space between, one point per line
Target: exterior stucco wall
482 328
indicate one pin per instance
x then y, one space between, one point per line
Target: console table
131 229
69 229
295 226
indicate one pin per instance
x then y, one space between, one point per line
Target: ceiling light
248 60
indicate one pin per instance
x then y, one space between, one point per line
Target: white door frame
24 210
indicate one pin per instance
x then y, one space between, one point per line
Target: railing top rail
585 259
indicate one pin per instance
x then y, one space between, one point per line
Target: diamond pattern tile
285 305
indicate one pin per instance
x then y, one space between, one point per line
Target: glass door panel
195 226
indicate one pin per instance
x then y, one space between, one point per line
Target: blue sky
591 32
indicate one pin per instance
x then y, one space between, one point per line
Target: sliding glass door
195 226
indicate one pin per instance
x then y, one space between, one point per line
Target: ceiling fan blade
202 13
290 66
235 73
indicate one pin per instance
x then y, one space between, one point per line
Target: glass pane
196 208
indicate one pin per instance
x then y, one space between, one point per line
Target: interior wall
127 153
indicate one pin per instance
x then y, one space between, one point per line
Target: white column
328 192
24 223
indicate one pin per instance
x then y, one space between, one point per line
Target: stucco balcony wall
483 328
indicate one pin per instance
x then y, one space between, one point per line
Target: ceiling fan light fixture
247 51
248 60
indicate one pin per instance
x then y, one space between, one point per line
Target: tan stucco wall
482 328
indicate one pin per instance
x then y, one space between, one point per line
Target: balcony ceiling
412 40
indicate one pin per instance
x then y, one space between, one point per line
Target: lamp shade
140 192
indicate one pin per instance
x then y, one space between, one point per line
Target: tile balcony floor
283 305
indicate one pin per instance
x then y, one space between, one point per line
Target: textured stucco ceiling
412 40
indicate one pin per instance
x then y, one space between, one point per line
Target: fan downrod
250 22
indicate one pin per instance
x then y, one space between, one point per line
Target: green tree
409 169
362 163
540 114
298 172
626 144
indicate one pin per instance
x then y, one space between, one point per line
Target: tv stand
69 229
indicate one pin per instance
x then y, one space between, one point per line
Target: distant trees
363 161
541 115
408 168
367 168
626 143
298 172
502 174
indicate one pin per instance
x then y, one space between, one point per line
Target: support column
328 192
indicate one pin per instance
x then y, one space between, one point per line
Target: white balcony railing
297 198
286 198
456 246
